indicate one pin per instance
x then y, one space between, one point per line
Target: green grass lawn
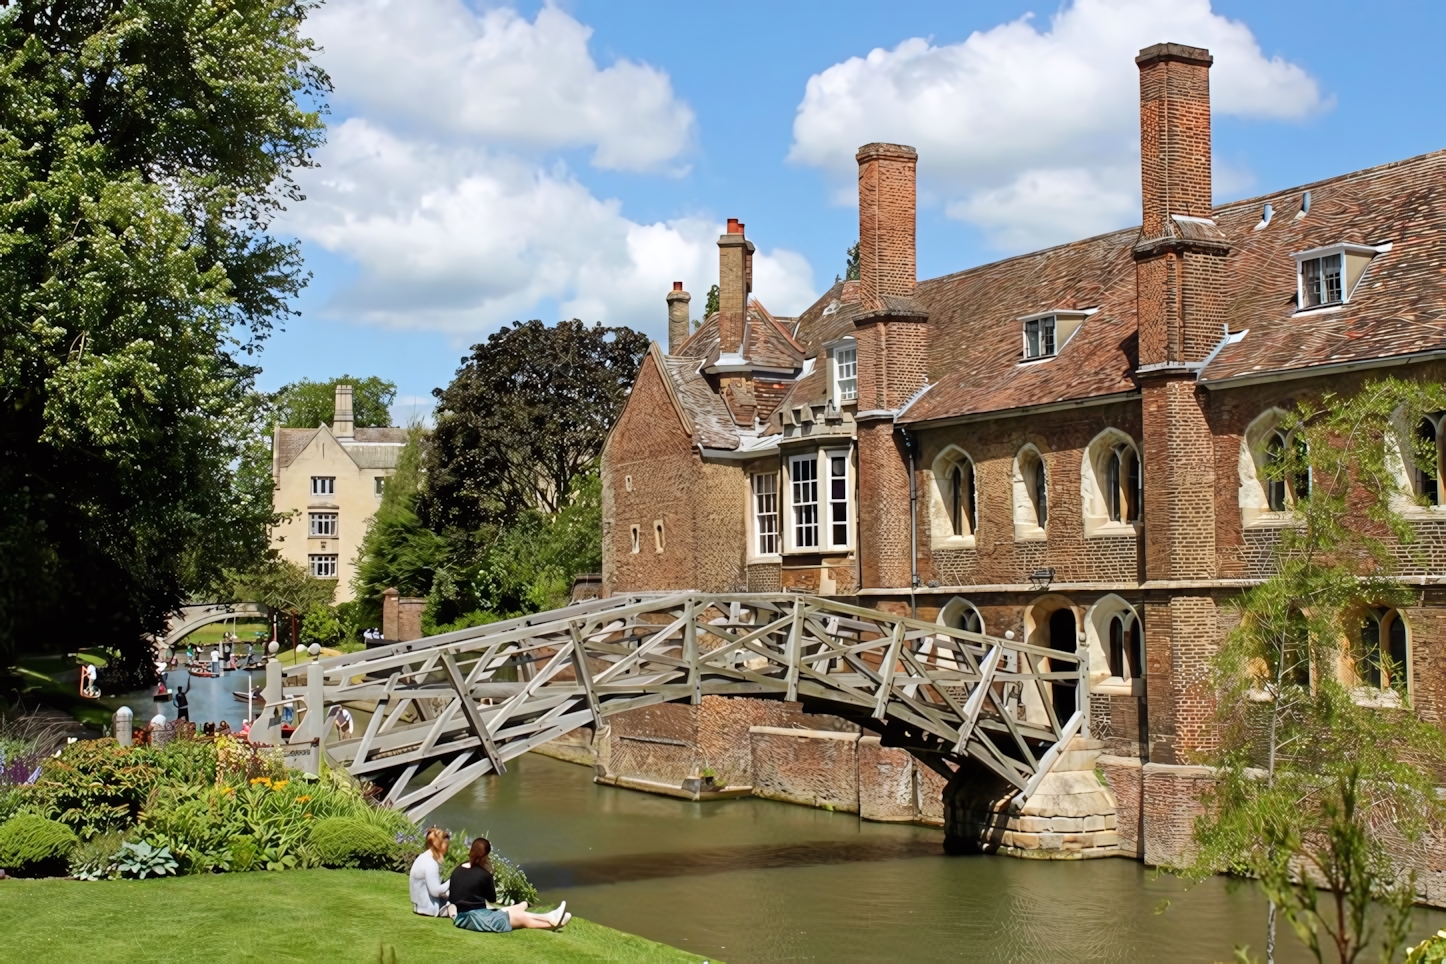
211 633
306 915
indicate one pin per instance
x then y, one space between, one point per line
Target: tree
307 404
710 306
851 265
1324 781
525 416
398 551
144 147
282 587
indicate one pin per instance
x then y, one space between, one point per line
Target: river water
755 881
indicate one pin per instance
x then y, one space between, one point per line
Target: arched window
955 499
1427 458
1384 657
1062 636
1031 494
1286 483
1126 646
1122 483
961 614
962 498
1039 491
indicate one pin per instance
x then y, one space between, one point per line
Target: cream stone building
328 483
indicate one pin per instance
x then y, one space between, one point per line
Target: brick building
1069 441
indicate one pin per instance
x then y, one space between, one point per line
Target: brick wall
1125 777
886 218
812 767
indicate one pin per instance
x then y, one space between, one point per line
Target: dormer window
1328 276
1046 334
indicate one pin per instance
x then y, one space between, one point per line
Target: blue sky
488 161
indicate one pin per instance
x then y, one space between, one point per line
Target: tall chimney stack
1174 134
886 218
677 317
341 423
735 262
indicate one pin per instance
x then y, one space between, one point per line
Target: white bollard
122 721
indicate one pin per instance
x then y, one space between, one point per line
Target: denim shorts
484 919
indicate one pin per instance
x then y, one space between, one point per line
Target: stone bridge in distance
998 718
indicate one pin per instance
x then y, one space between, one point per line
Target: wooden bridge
454 707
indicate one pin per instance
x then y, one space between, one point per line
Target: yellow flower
256 780
302 799
279 785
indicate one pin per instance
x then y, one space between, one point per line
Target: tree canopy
144 147
525 416
307 404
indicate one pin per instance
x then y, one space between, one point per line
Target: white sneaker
555 917
563 923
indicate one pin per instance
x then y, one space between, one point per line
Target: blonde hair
436 837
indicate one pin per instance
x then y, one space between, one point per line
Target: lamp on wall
1041 578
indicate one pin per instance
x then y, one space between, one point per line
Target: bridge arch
192 618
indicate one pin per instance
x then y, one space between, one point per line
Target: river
755 881
751 881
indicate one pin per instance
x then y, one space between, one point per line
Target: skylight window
1328 276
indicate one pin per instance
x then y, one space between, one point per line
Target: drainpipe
911 445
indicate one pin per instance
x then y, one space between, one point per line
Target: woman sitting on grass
429 891
472 886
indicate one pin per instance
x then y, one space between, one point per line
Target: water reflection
754 881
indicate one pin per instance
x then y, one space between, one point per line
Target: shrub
34 846
1430 951
512 884
242 852
96 786
350 842
141 860
95 859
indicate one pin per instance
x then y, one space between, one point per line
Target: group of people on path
469 896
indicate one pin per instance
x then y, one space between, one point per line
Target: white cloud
442 183
437 67
1033 134
463 239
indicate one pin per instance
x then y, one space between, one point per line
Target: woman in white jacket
429 890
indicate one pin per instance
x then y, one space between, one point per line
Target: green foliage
398 551
32 845
1312 763
96 786
513 887
95 859
710 305
526 568
280 585
525 416
144 148
320 625
307 404
347 842
851 265
141 860
1430 951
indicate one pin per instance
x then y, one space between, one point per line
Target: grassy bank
310 915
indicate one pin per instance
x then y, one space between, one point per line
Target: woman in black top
472 886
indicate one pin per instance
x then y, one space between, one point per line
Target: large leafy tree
145 146
307 404
525 416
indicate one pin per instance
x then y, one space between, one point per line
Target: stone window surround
941 527
1402 463
1026 519
1097 629
821 456
1255 511
1097 521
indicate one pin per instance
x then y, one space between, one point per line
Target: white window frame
822 460
379 485
798 521
324 565
765 541
1045 325
323 485
317 525
844 360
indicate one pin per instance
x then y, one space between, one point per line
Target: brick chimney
677 317
735 282
892 336
341 424
886 218
1179 296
